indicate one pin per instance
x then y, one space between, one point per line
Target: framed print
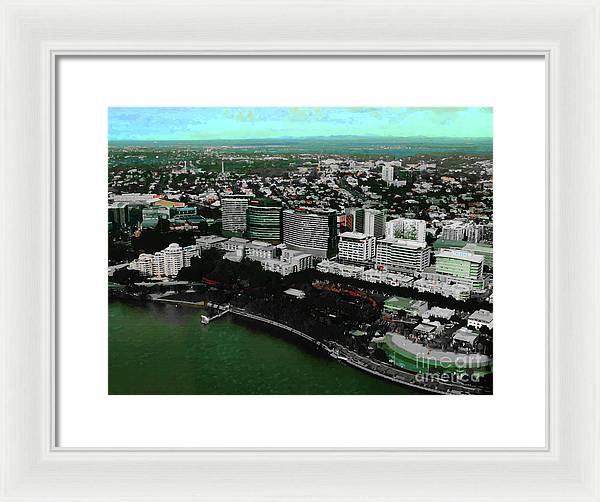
272 242
295 316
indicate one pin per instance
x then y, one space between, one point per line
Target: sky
175 124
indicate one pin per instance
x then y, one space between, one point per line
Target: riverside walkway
248 315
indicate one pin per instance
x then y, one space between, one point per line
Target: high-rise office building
374 223
405 228
398 254
263 220
358 219
387 173
312 231
118 214
355 247
233 210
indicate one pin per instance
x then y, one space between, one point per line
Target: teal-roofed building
398 304
484 250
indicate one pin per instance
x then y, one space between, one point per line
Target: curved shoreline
347 356
331 352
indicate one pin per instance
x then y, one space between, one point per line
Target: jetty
221 310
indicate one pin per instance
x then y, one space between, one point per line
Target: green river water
165 349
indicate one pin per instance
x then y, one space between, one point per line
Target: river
165 349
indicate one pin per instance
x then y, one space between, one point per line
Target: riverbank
158 348
338 352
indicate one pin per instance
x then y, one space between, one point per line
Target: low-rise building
278 266
481 318
291 261
209 241
464 339
296 293
439 313
234 245
401 254
332 267
398 304
428 329
258 250
462 266
442 285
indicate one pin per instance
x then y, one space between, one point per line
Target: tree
126 276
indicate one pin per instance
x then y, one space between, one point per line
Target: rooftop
309 210
298 293
403 243
425 328
260 244
117 205
482 316
353 235
264 202
465 335
415 349
478 248
167 203
440 312
448 243
210 239
460 255
398 303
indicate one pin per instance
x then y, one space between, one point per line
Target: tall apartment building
263 220
387 173
355 247
233 210
312 231
474 233
400 254
459 264
167 262
173 259
454 231
144 264
374 223
405 228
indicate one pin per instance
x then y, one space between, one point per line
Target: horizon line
335 136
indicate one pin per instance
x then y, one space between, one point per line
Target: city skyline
247 123
376 252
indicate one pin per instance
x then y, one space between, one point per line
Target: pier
221 311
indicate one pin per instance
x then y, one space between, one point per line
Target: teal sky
262 123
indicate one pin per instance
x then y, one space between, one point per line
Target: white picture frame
34 35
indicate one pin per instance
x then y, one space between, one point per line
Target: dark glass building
263 220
